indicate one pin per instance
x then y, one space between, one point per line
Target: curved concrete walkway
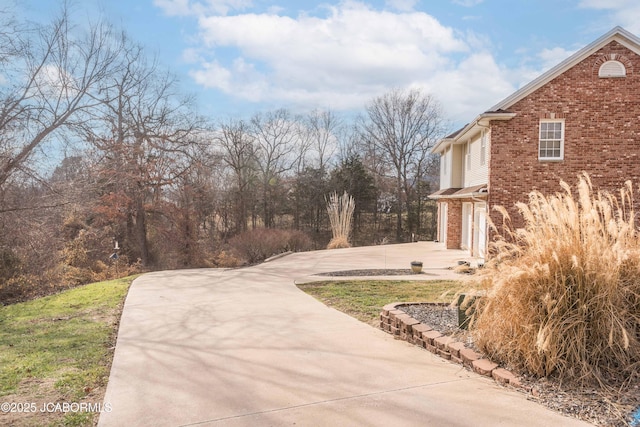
245 347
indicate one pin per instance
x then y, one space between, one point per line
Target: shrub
563 293
225 259
18 288
10 264
115 269
298 241
261 243
25 287
76 276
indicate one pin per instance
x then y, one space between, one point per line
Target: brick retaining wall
399 324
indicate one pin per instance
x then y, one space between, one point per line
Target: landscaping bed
613 404
607 406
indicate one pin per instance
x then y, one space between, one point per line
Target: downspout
485 201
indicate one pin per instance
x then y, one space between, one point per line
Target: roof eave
618 34
474 195
482 121
475 191
441 145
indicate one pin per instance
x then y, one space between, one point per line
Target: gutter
481 121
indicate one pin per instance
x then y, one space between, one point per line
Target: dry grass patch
563 293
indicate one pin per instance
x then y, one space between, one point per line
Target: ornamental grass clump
563 293
340 210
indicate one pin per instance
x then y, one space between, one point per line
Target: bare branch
402 126
52 77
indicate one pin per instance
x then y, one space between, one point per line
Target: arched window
612 69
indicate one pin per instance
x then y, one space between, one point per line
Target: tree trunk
141 233
399 209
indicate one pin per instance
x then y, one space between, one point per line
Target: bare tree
50 75
239 154
146 139
320 131
277 137
323 127
402 126
51 78
188 214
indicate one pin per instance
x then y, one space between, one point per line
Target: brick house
581 115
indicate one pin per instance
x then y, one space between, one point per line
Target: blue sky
244 56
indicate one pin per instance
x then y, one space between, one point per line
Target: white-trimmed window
483 149
551 145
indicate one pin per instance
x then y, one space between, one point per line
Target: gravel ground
599 406
442 318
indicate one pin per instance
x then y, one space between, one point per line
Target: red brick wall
602 133
454 224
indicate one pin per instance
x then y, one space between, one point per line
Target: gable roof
500 111
617 34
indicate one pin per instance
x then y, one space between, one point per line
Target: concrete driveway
245 347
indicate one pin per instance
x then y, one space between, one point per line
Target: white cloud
401 5
471 87
625 13
467 3
213 75
552 57
55 82
606 4
341 60
174 7
240 79
191 56
350 53
195 8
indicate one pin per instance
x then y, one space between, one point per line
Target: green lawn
364 299
60 347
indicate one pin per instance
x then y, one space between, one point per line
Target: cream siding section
457 166
478 173
453 168
445 169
